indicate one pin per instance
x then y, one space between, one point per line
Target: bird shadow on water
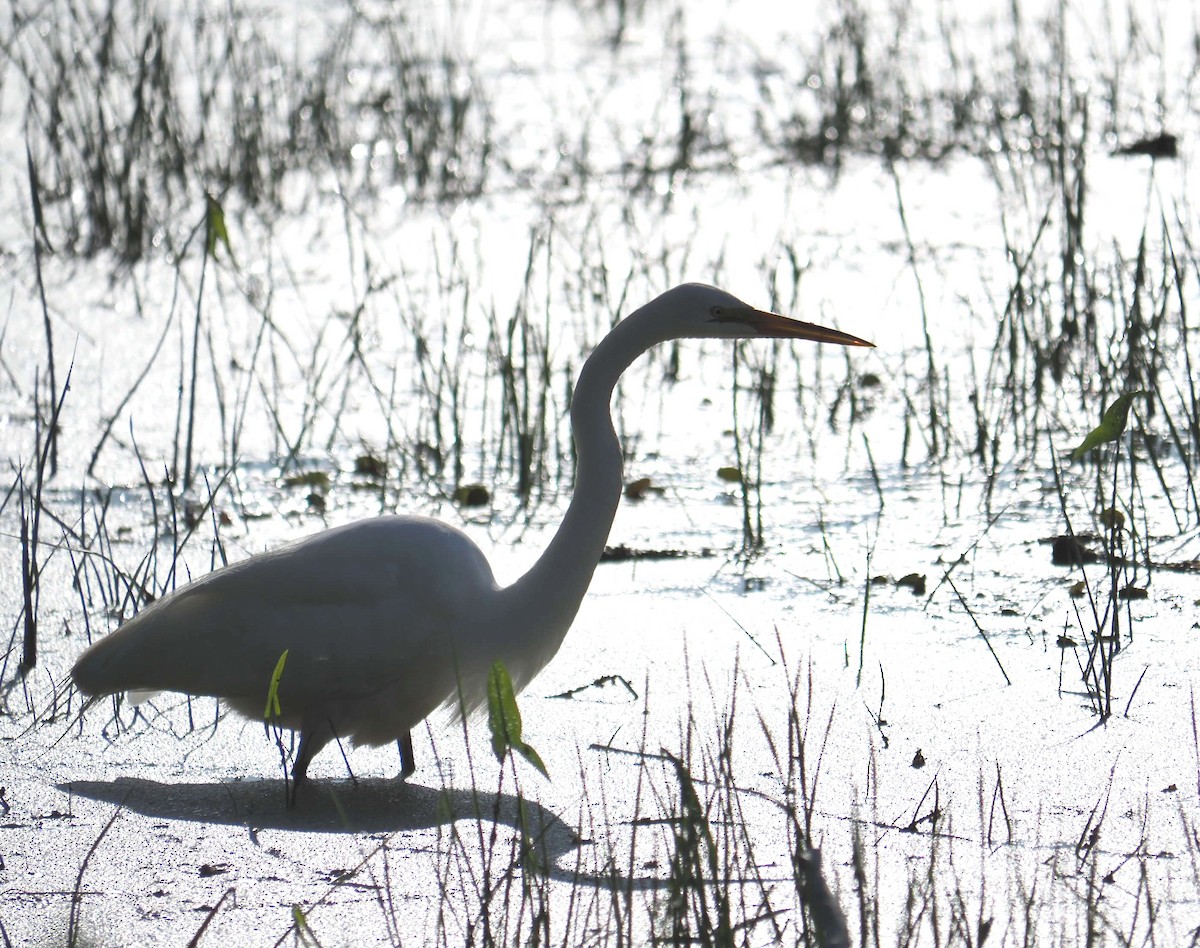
370 806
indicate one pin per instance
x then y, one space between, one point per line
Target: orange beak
784 327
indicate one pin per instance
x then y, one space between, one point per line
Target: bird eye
718 312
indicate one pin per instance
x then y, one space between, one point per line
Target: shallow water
377 326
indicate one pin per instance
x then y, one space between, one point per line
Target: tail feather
92 672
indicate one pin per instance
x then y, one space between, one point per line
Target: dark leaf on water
472 495
914 582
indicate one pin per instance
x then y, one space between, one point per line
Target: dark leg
312 738
408 765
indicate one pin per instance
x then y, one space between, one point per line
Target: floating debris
913 581
367 465
1069 551
472 495
622 553
637 490
1164 145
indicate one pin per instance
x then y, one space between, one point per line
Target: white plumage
386 619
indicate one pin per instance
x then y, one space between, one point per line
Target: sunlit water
328 336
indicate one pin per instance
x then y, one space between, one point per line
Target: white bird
385 620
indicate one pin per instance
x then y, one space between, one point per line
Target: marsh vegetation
272 269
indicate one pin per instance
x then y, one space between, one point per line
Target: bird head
704 312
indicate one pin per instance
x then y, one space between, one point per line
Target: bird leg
408 764
313 736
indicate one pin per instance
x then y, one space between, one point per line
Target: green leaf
1111 426
504 719
214 227
273 708
532 756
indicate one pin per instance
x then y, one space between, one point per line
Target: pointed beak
784 327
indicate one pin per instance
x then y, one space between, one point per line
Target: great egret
386 619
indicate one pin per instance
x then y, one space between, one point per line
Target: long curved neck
544 601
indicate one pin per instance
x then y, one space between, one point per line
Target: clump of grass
1109 614
749 441
133 114
420 111
695 849
520 354
490 409
102 123
911 83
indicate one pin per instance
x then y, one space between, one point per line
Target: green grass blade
273 708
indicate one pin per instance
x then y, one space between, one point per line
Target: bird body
365 610
386 619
